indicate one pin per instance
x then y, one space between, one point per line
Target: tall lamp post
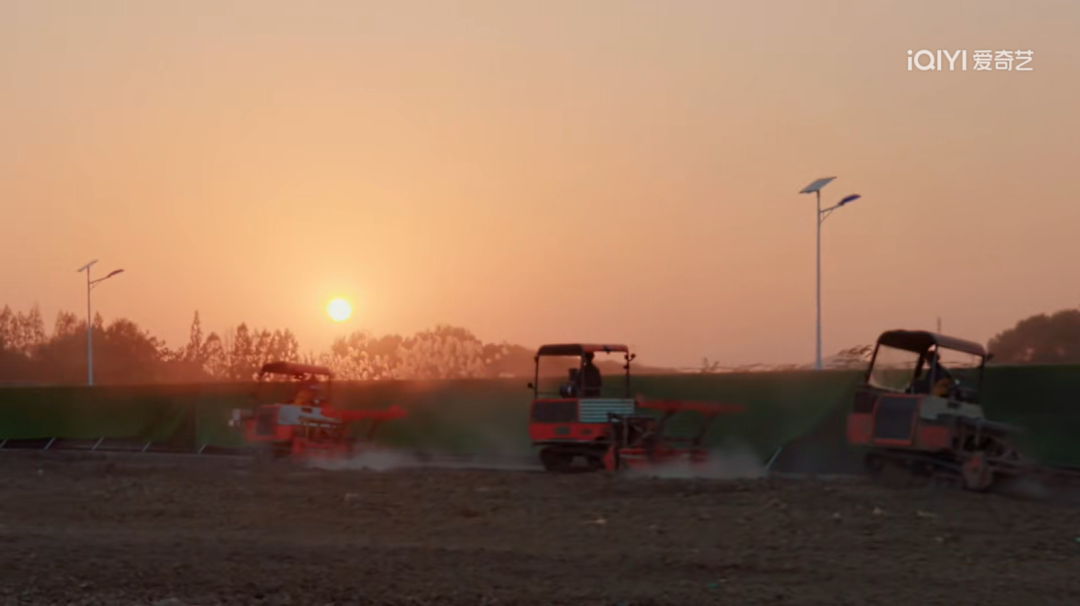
822 213
90 284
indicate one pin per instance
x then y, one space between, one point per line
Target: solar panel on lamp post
90 284
815 188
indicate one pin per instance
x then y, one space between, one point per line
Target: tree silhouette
215 358
194 351
242 362
124 353
66 324
21 332
1040 339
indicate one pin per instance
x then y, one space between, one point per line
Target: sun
339 310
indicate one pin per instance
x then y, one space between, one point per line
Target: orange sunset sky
542 171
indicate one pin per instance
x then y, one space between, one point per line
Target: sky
544 171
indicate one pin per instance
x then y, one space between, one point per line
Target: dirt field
116 533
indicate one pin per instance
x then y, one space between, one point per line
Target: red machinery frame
309 427
936 430
639 442
610 433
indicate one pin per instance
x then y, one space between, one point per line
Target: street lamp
90 284
815 188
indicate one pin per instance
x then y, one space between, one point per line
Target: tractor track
377 461
385 460
1063 480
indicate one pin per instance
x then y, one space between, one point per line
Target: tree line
125 353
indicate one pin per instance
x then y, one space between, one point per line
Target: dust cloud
370 460
390 460
733 463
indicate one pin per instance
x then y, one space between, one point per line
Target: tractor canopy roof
578 349
292 368
920 341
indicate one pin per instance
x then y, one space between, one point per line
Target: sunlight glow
339 310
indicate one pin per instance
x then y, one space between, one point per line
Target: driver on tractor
589 379
944 381
308 393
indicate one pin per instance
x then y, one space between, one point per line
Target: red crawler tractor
920 414
577 422
308 426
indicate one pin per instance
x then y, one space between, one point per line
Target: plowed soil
125 533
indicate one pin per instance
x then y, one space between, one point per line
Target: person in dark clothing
938 371
590 377
943 379
941 376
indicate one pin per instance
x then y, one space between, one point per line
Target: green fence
802 410
444 416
